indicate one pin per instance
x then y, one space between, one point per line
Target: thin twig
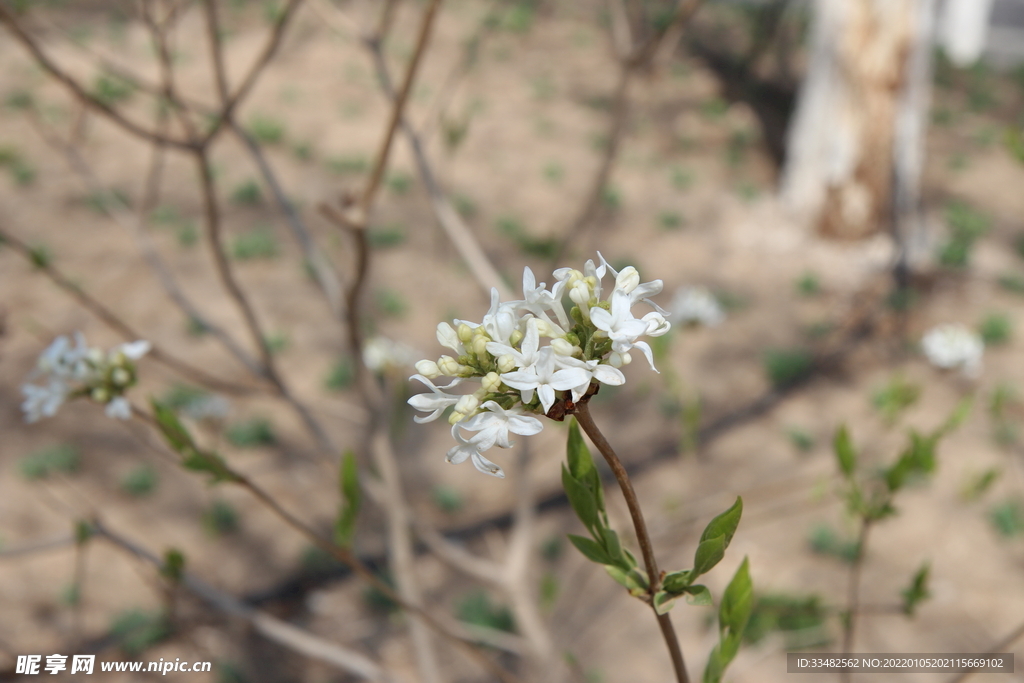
1014 635
270 627
853 595
273 42
111 319
582 413
8 19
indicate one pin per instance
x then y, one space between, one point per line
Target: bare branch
281 632
8 19
127 332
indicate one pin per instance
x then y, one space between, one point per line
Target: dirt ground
691 202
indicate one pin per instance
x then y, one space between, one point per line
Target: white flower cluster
381 353
696 306
954 346
65 371
519 375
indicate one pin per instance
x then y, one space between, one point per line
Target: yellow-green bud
448 366
120 377
491 382
100 395
465 332
95 356
628 279
455 417
480 346
480 393
467 404
516 337
563 348
506 363
428 369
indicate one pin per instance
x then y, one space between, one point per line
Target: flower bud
480 346
95 356
615 359
120 377
591 281
574 277
100 395
448 366
516 337
118 359
480 393
428 368
491 382
628 279
572 339
626 358
465 332
467 404
455 417
506 363
562 347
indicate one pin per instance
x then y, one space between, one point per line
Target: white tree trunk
859 126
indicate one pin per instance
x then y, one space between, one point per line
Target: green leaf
957 417
737 602
577 453
590 549
633 580
83 531
174 565
209 462
582 500
698 595
663 602
614 548
709 553
178 438
917 591
676 582
724 524
844 452
344 528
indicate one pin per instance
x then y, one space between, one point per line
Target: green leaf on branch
917 591
844 452
663 602
709 553
724 524
676 582
633 580
581 466
698 594
582 500
192 457
591 550
344 528
733 614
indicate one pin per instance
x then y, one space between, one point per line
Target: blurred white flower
69 370
695 305
954 346
381 353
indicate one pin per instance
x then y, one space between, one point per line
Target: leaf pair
710 551
582 484
181 441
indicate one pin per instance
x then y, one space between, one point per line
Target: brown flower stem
582 413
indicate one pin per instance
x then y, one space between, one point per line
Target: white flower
621 327
119 408
543 378
449 338
696 305
495 423
380 353
528 352
133 350
500 321
538 300
468 448
628 281
595 370
435 401
43 401
951 346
